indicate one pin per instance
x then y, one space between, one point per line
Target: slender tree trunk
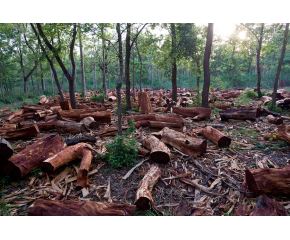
256 66
42 78
133 76
174 66
264 64
104 69
140 59
119 84
198 74
206 69
32 81
127 66
1 89
36 79
258 62
51 73
95 72
280 65
82 66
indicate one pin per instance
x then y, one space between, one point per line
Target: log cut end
160 157
143 203
224 141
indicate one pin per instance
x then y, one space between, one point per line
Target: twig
131 170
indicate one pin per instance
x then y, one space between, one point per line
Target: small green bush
98 98
251 94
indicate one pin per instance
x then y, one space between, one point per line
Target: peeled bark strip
186 144
144 199
23 133
65 105
282 134
16 114
70 127
42 207
33 156
82 177
144 102
160 153
274 120
239 113
199 112
75 141
216 136
90 123
6 150
101 117
270 181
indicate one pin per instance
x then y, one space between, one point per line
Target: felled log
186 144
261 111
143 123
9 126
283 103
112 99
265 207
238 113
43 99
23 133
171 118
199 113
144 103
270 181
266 99
136 118
37 116
70 127
157 124
160 109
65 105
90 123
101 117
42 207
274 120
282 134
75 114
223 105
33 155
75 141
17 120
216 136
33 108
144 199
83 177
5 109
6 150
16 114
50 117
160 153
46 125
144 152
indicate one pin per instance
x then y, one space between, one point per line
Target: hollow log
160 153
43 207
274 120
144 102
70 127
112 99
238 113
6 150
75 141
270 181
90 123
144 199
199 113
82 177
101 117
65 105
33 155
143 123
31 131
283 134
186 144
216 136
144 152
16 114
157 124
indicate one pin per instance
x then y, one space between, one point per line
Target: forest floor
247 150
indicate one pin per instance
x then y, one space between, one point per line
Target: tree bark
127 66
144 103
280 65
82 65
216 136
140 59
104 62
174 67
70 127
199 113
258 62
206 68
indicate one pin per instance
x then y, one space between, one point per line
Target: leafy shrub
251 94
98 98
123 149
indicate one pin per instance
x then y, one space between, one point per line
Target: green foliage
251 94
274 108
151 212
123 149
107 171
35 172
98 98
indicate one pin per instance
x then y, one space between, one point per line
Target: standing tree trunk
82 65
280 65
140 59
133 77
174 67
52 83
119 84
206 69
104 61
258 62
127 66
42 78
198 75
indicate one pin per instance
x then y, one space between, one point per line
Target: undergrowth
98 97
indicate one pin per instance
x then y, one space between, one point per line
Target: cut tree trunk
65 105
157 124
144 102
144 152
216 136
75 114
270 181
136 118
5 150
46 125
199 113
188 145
144 199
101 117
16 114
143 123
23 133
274 120
42 207
283 133
50 117
160 153
238 113
43 99
75 141
37 116
33 155
83 177
90 123
70 127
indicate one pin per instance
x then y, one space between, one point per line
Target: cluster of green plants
98 97
151 212
122 151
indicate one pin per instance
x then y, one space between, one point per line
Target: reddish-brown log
23 133
223 105
171 118
144 102
70 127
239 113
274 120
144 199
37 116
33 156
143 123
46 125
17 120
157 124
266 99
65 105
160 153
90 123
283 133
74 141
188 145
101 117
270 181
50 117
43 99
136 118
199 113
144 152
16 114
83 177
216 136
42 207
5 109
6 150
